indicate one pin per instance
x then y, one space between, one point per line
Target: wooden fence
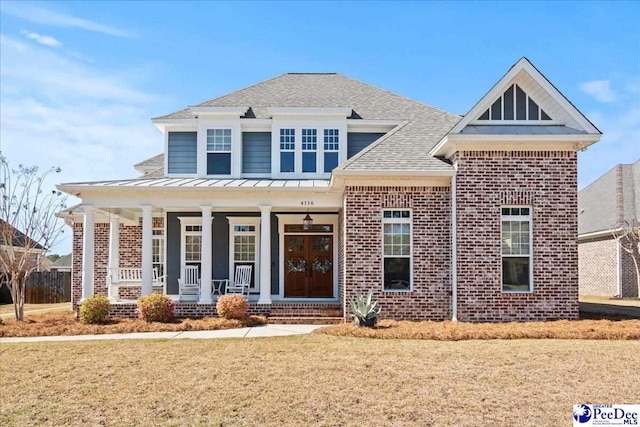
45 287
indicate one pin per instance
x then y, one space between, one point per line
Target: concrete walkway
255 332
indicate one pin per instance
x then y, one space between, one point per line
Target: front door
308 266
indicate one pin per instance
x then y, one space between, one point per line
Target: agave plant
365 311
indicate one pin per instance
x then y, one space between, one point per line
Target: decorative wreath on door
321 266
296 267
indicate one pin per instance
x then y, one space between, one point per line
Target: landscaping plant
156 308
232 306
365 311
94 309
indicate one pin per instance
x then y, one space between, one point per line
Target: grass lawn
6 310
628 302
312 380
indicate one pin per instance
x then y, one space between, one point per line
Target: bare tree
628 234
28 225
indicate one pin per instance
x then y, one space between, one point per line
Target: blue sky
79 81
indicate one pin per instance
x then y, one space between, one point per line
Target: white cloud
39 38
600 90
59 111
40 15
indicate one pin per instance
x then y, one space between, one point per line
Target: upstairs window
309 148
218 151
517 260
331 148
287 150
515 104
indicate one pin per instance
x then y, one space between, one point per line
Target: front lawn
312 380
66 324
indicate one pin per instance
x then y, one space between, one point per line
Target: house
35 257
62 264
606 267
327 187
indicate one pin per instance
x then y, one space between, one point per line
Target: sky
80 81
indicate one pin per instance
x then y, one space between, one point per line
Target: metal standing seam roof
406 150
204 183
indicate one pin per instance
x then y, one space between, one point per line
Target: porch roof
200 183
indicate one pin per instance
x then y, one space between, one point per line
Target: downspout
618 268
454 248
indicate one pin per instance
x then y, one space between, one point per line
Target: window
517 265
157 250
218 151
244 241
396 250
514 104
287 150
309 147
192 246
331 148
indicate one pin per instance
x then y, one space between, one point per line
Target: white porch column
147 254
265 255
206 257
114 252
88 249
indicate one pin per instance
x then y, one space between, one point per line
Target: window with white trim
517 258
192 245
287 150
218 151
397 260
157 250
331 149
515 104
243 245
309 148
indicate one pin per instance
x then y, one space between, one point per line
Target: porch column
114 252
205 254
265 255
147 254
88 248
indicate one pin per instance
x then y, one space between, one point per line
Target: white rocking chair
189 284
241 282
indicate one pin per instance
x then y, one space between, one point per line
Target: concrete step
305 320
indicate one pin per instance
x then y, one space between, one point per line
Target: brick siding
546 181
597 267
431 207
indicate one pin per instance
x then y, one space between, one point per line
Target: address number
307 203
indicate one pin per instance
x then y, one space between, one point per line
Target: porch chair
189 284
159 282
241 282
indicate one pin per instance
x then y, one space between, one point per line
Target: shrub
232 306
94 309
156 308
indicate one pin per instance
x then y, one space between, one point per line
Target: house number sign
307 203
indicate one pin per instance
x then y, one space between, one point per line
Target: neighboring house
328 187
606 269
63 264
36 256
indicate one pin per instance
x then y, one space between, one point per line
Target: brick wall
547 181
130 255
431 206
628 273
597 267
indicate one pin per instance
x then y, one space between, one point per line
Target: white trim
521 218
596 234
251 221
288 219
88 252
409 221
184 222
454 249
146 286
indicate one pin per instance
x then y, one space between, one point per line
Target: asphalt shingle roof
157 160
406 149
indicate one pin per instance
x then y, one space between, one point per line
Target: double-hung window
218 151
397 262
331 148
157 250
244 245
517 260
309 148
192 241
287 150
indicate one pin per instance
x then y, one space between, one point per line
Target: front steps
305 313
